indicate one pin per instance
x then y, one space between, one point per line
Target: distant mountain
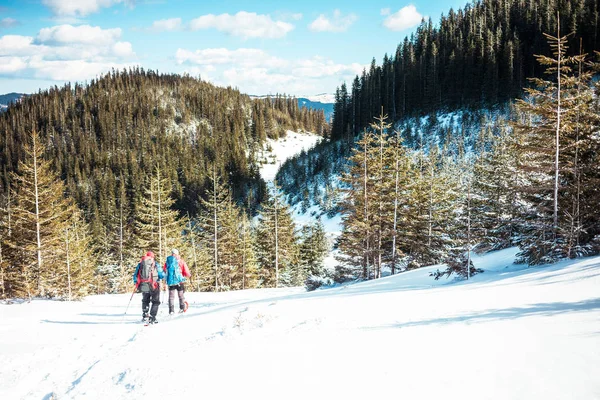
6 99
315 104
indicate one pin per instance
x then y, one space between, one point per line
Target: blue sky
299 48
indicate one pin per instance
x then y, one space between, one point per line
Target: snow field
509 333
282 149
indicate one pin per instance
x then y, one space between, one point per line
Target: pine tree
381 194
158 227
78 258
551 116
357 237
313 249
41 215
496 178
218 198
276 242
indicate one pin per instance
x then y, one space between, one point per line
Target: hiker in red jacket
176 270
146 279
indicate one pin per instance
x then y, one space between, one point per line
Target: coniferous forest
95 174
496 173
92 175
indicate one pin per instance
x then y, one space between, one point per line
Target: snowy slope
510 333
282 149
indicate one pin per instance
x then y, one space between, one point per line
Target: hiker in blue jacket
146 279
176 270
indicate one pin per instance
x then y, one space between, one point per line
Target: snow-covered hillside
277 151
509 333
281 150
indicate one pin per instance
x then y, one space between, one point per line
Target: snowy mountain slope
507 334
278 151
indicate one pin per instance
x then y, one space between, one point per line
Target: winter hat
175 251
150 254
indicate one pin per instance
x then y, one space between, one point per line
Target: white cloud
244 24
79 8
386 11
338 23
407 17
170 24
220 56
255 71
8 22
16 45
318 67
11 64
84 34
64 52
123 49
72 70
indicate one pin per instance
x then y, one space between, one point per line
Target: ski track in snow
509 333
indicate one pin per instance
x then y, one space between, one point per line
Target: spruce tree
313 249
357 237
550 118
41 216
214 208
158 227
276 242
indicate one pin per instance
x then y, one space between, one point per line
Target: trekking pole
131 298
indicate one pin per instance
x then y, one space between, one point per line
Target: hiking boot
181 311
153 320
144 317
171 312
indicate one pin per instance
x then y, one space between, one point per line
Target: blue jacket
161 276
174 268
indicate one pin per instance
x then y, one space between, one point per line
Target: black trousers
180 289
153 296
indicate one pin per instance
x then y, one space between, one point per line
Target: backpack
175 275
147 275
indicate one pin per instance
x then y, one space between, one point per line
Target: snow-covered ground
282 149
509 333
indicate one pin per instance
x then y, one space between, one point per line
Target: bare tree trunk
430 222
215 226
160 235
276 243
469 230
366 270
193 243
557 140
575 217
68 263
244 253
380 234
2 272
37 214
121 261
397 172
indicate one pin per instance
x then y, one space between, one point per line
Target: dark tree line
478 56
123 125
